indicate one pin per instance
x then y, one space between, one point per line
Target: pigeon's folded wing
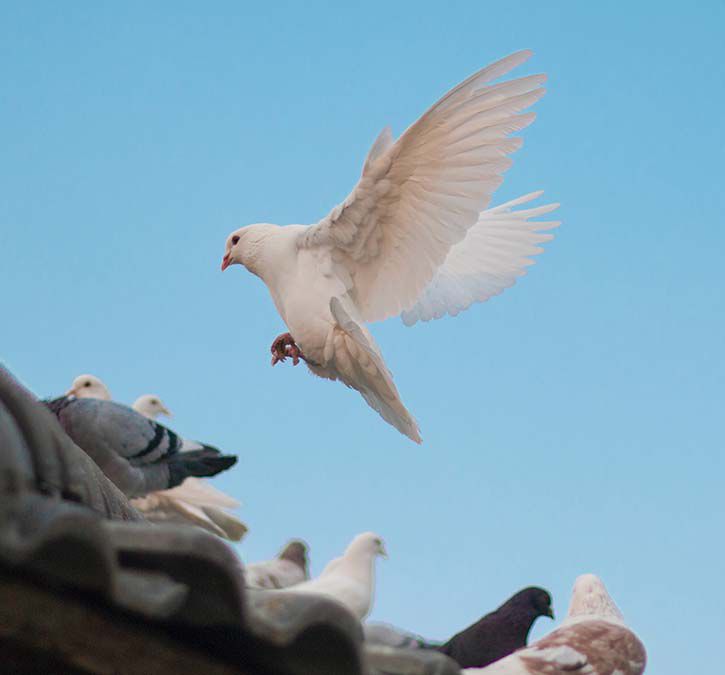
419 195
493 254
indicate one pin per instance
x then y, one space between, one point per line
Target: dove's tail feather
163 506
198 502
200 463
360 366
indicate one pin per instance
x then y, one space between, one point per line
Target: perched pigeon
137 454
289 568
501 632
351 578
592 640
409 240
151 406
193 502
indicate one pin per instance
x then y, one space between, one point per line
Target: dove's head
88 386
589 598
367 544
243 245
151 406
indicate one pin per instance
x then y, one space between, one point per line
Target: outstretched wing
419 195
495 252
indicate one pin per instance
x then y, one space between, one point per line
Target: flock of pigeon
412 239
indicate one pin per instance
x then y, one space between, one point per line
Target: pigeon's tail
360 366
189 446
200 463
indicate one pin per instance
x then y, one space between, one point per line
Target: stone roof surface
88 586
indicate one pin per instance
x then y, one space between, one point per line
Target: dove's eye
235 240
87 384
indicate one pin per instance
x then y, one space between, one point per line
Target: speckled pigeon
136 453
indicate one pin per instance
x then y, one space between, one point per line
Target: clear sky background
573 424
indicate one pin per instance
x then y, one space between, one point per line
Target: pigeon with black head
501 632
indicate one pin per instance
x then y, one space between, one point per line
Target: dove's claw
283 346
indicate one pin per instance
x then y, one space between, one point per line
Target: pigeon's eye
154 402
235 240
87 384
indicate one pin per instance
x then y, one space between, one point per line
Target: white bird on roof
409 240
350 579
592 640
195 501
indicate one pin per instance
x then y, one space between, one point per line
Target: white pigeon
89 386
350 579
287 569
409 240
195 501
151 406
592 640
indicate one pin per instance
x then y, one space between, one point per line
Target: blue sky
573 424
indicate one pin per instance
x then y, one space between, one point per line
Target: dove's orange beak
225 262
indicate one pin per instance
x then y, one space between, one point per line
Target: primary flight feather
411 239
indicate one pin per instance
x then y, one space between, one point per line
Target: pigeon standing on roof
136 453
501 632
195 501
592 640
409 240
350 579
289 568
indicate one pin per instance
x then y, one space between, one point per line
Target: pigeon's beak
225 262
72 392
550 613
167 412
382 552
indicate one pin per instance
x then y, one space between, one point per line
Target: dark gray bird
501 632
138 454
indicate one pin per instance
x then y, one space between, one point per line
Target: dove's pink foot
283 346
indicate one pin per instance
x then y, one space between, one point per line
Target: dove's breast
302 297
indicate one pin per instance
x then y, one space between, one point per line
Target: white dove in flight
411 238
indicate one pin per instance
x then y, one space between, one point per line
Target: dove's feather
494 253
418 196
197 502
359 365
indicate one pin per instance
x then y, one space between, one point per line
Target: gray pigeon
136 453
